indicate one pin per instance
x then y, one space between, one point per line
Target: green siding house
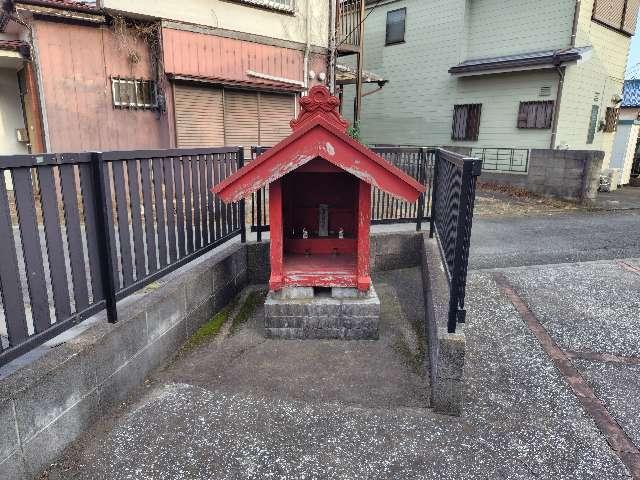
494 73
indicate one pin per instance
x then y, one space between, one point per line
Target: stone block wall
48 404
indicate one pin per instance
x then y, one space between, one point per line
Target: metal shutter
241 118
276 111
199 116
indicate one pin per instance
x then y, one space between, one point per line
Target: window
283 5
620 15
466 122
593 123
134 93
611 120
536 114
396 26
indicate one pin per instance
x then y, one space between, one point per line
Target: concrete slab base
322 314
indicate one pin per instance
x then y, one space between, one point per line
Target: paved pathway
252 408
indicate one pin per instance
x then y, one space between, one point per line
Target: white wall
624 145
10 113
237 16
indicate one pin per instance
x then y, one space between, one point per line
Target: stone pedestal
307 313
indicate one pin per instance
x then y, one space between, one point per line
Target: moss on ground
211 328
246 310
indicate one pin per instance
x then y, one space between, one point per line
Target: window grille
134 93
396 23
611 120
593 124
466 122
536 114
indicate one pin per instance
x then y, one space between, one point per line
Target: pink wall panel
76 63
208 56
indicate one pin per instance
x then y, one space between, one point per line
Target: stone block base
322 314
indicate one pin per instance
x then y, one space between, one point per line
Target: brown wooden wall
76 63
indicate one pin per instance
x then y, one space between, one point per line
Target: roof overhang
522 62
62 9
347 75
13 53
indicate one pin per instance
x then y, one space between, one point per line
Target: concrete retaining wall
567 174
446 350
47 405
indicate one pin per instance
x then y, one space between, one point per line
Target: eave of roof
346 75
63 5
16 46
548 58
330 144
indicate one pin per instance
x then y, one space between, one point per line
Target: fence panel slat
168 164
90 218
188 205
136 217
210 198
158 183
204 214
180 220
30 236
225 206
74 236
196 202
149 224
53 236
10 288
218 202
123 223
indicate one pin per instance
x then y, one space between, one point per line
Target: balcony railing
348 24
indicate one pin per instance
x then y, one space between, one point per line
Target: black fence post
107 262
434 187
422 158
243 220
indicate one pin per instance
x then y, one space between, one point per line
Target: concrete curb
50 403
446 350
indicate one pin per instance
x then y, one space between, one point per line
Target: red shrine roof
319 131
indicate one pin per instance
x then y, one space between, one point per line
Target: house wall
500 96
601 77
76 63
624 146
500 28
416 106
239 17
10 113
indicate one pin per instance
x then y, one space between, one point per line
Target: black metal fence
80 231
453 199
514 160
417 162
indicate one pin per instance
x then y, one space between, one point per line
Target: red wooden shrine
319 198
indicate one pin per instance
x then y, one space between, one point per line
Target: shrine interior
320 219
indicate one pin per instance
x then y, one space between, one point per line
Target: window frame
138 103
593 124
548 122
469 136
404 27
620 28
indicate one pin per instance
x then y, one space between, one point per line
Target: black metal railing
453 199
81 231
515 160
417 162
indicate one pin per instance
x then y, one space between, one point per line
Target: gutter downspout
561 73
307 48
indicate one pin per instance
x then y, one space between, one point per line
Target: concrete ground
245 407
625 198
